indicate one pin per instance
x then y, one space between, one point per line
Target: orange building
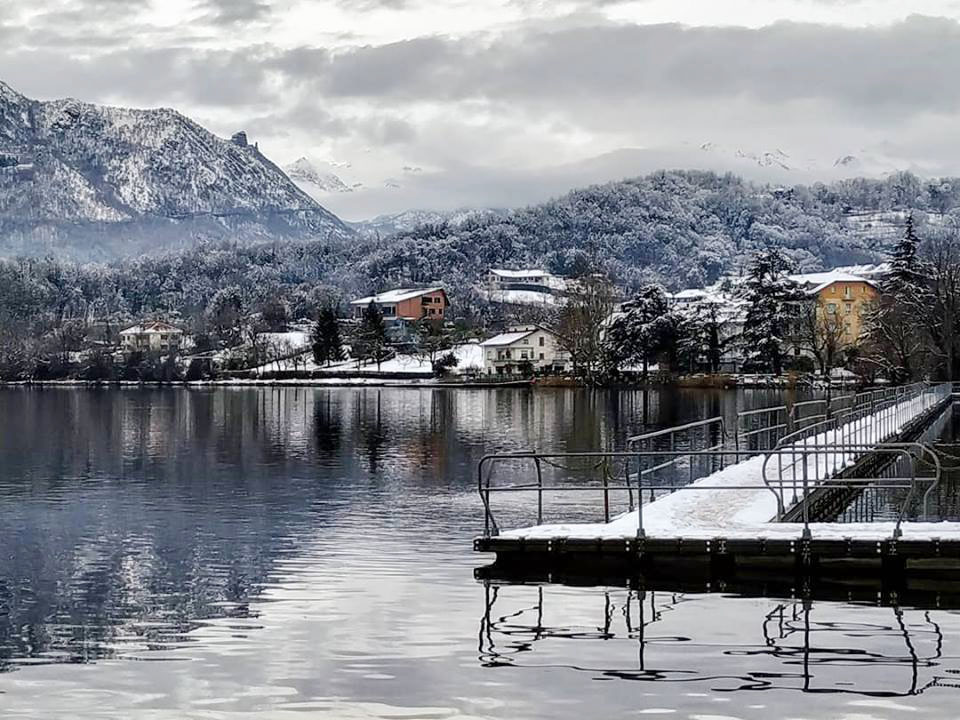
406 304
843 298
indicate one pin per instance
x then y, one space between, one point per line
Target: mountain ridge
76 176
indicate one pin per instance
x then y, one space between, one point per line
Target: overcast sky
496 102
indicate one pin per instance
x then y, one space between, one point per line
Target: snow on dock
735 502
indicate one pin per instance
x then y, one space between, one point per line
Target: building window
848 307
541 343
831 308
847 292
541 356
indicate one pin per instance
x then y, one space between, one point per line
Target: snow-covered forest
680 229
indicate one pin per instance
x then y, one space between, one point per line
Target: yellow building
843 301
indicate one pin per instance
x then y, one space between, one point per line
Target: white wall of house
539 348
151 341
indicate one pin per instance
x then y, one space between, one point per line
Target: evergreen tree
893 329
642 331
325 338
906 278
370 341
772 297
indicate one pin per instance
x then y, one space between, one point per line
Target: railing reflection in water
795 645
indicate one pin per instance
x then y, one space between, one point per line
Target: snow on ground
469 356
523 297
747 513
295 339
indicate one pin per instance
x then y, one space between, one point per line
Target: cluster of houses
842 295
841 299
519 350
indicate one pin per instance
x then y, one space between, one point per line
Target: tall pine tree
370 341
893 329
771 314
905 280
325 338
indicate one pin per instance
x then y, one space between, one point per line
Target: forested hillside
676 228
683 229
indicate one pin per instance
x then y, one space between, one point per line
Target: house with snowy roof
410 304
524 347
842 299
525 287
161 337
403 307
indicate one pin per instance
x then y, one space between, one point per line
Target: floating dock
753 519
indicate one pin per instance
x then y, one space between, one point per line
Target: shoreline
727 383
300 382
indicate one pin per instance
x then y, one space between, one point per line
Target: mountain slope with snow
392 223
91 181
314 179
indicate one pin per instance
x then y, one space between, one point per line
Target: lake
302 552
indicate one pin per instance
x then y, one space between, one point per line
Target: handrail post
640 530
606 491
536 461
806 502
486 500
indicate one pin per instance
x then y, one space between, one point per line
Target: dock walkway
733 512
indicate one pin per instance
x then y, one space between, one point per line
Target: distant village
559 330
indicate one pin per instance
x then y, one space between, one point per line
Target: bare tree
941 312
823 333
581 322
895 341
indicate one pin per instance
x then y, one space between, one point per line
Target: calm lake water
307 553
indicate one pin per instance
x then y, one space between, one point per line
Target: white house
151 337
525 287
504 354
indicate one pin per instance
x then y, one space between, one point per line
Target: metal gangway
797 442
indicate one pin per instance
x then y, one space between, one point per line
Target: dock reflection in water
756 646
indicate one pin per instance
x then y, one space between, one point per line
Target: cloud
561 84
189 76
231 12
901 69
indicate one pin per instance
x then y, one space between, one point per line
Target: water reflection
760 646
132 516
172 553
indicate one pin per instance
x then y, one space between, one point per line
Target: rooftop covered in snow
509 338
152 327
397 295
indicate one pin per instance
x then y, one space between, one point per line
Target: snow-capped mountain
93 181
314 179
386 225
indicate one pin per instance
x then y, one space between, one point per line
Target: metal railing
634 481
807 458
680 433
863 425
761 429
765 428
